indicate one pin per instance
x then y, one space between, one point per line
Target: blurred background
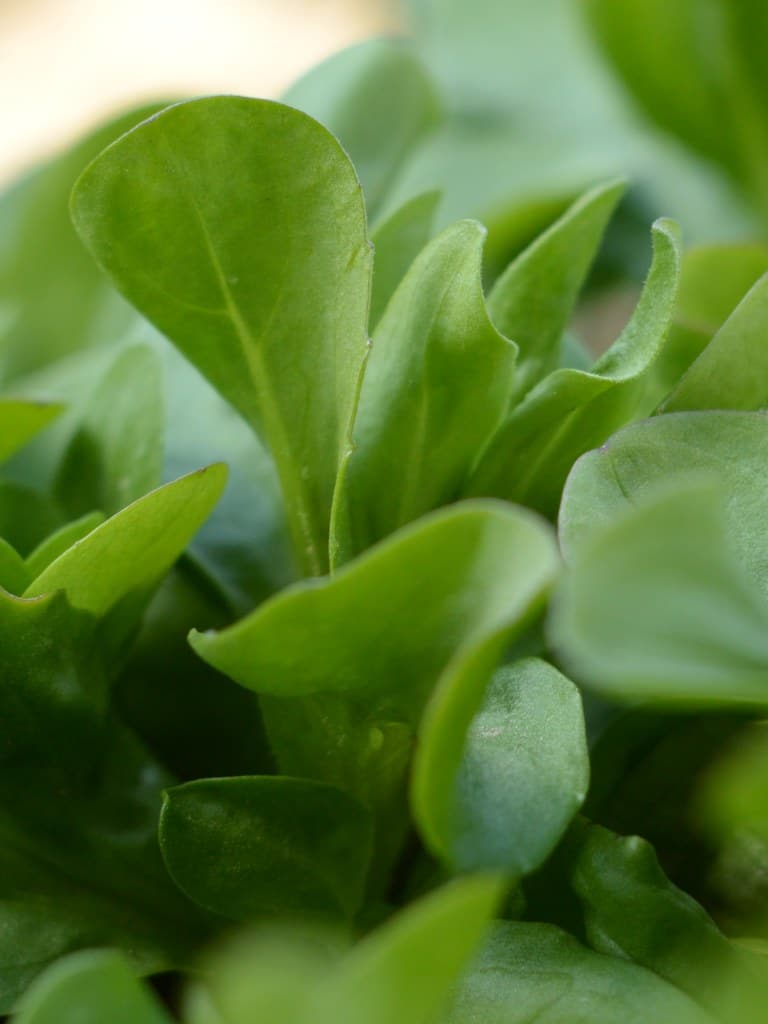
66 64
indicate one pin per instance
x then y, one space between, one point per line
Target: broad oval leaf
135 547
260 275
571 411
730 446
528 973
502 765
90 988
405 971
266 846
656 606
436 386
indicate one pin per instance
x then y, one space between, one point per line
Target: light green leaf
571 411
729 446
261 276
435 388
656 606
633 911
134 548
378 100
500 770
397 241
365 648
58 304
405 971
116 454
533 299
57 543
534 972
732 371
90 988
266 846
21 420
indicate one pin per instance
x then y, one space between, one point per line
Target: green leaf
264 847
534 972
571 411
435 388
533 299
501 767
734 798
365 648
134 548
27 516
397 242
405 971
378 100
261 276
657 607
728 446
79 800
116 455
20 421
57 543
90 988
14 575
732 371
59 304
633 911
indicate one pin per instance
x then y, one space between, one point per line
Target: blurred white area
65 64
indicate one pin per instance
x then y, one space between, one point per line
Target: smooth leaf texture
732 371
57 543
397 241
533 299
20 421
378 100
729 446
405 971
571 411
435 388
266 846
79 800
116 454
365 648
261 276
633 911
59 304
496 785
134 548
14 575
656 606
529 973
90 988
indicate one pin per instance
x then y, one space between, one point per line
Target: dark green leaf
14 575
261 276
266 846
